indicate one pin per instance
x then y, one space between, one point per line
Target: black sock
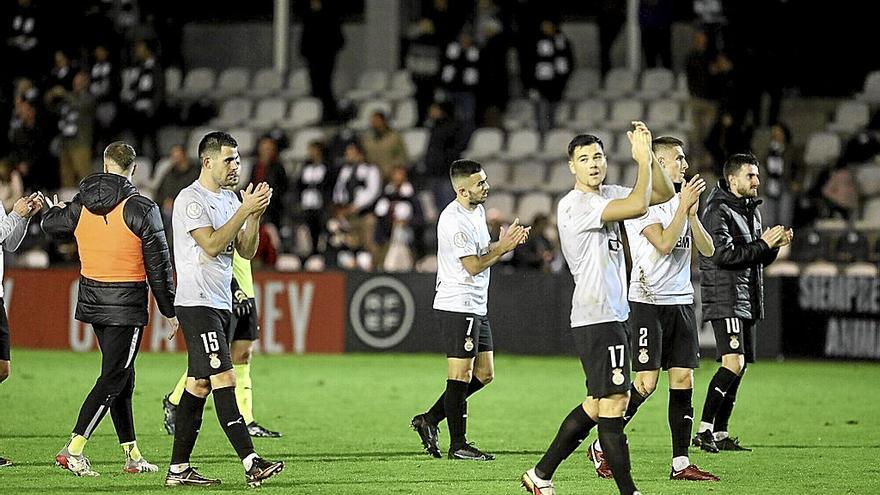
455 403
681 420
635 400
232 421
186 426
616 450
718 387
722 417
573 430
437 413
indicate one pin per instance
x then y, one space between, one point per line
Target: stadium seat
528 177
143 173
401 86
520 113
607 138
623 112
370 83
501 202
621 153
365 109
588 115
169 136
198 82
233 112
680 92
871 90
555 146
160 170
871 214
663 114
298 148
560 179
823 149
406 115
562 114
656 83
582 83
850 246
233 81
521 145
532 204
868 179
619 82
247 140
783 268
498 174
850 117
267 82
416 141
195 136
173 80
861 269
270 113
485 143
298 84
303 112
628 172
820 269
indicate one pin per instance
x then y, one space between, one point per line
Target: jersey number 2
210 341
643 337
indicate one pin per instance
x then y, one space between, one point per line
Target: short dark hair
318 144
583 140
464 168
738 161
666 141
120 153
214 141
357 145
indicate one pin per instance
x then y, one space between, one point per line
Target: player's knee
199 388
485 376
461 375
734 363
681 379
241 356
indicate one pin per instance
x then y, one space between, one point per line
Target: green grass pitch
814 426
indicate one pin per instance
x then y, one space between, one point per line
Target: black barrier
834 317
529 314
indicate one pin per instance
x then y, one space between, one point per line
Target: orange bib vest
108 250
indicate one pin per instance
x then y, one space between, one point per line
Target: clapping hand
690 194
513 236
640 138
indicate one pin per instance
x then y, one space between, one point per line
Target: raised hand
690 193
640 139
35 204
513 236
255 200
775 236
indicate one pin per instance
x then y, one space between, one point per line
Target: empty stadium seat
300 142
560 179
663 114
233 112
267 81
868 179
823 149
850 117
233 81
871 90
406 114
502 202
861 269
820 269
416 141
247 141
583 83
303 112
169 136
173 80
871 214
619 82
520 113
298 84
195 136
532 204
555 146
528 177
498 174
588 115
624 112
365 109
198 82
783 268
656 83
485 142
370 83
269 113
521 145
400 87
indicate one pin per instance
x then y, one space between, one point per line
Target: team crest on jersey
468 344
194 210
643 355
214 360
734 342
459 239
617 376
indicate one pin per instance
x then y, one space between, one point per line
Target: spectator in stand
727 137
394 222
447 16
494 90
24 28
538 253
422 60
611 19
383 145
11 187
550 70
62 72
29 148
142 97
315 190
76 124
357 188
104 88
321 41
703 104
778 179
655 20
833 195
269 169
445 145
460 77
182 173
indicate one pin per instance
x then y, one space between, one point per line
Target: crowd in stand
356 202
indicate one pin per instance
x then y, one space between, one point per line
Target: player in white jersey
590 237
464 255
664 328
209 223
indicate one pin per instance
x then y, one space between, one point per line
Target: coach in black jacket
122 249
733 289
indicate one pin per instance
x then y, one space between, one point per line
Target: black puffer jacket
119 303
732 279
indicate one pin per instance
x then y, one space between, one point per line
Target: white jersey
657 278
461 233
594 253
12 231
202 280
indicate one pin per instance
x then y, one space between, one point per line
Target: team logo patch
734 342
468 344
617 376
194 210
643 355
215 361
459 239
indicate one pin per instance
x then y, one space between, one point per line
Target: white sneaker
536 486
140 466
76 464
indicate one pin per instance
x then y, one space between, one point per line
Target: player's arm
143 218
702 239
666 239
248 239
662 189
636 204
508 241
60 220
214 242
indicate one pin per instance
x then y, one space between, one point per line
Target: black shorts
664 336
735 336
465 334
4 333
206 345
246 328
605 355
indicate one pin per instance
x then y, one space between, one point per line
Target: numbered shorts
664 336
464 334
4 333
206 346
735 336
605 355
245 328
